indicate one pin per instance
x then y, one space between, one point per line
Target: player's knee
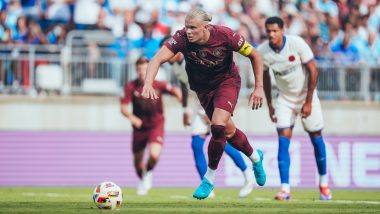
316 134
218 132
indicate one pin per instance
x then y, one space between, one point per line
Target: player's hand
306 110
256 98
186 117
272 114
148 92
136 122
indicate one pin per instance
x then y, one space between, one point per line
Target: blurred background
63 64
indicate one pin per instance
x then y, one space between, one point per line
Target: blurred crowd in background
343 31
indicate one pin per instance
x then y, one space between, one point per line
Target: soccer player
199 123
148 122
213 75
285 56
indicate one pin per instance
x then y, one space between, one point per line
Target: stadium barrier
88 65
87 158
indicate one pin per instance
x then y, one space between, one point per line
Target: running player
147 119
208 52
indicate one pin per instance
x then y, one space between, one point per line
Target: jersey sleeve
165 87
235 40
303 49
127 94
178 42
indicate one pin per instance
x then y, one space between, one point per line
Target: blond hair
200 14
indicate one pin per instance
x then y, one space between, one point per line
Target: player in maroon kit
148 122
213 75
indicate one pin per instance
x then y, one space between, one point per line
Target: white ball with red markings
107 195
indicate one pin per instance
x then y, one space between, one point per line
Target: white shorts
286 113
198 124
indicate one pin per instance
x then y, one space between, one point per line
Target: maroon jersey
150 111
210 64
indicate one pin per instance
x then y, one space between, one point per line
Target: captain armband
246 49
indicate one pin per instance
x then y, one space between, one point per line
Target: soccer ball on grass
107 195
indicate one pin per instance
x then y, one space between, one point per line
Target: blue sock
283 158
320 154
199 156
236 157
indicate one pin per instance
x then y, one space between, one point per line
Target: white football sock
285 187
255 157
323 180
210 175
248 175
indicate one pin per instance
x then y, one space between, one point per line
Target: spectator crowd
344 31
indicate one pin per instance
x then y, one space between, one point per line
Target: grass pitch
179 200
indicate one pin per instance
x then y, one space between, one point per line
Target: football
107 195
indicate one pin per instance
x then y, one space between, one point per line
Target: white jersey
287 67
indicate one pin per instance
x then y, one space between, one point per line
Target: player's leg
155 141
239 140
197 142
314 125
247 172
155 149
285 121
283 158
139 143
215 152
199 131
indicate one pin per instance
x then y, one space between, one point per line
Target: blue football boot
258 170
204 189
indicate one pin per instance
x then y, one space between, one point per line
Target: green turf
178 200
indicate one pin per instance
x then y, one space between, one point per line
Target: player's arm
247 50
311 67
163 55
268 95
136 122
185 103
124 103
307 58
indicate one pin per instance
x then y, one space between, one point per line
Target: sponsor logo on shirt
229 103
292 58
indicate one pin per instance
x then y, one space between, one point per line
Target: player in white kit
292 63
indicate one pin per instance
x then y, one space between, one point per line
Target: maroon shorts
141 137
224 97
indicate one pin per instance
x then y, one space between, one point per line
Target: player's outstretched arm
163 55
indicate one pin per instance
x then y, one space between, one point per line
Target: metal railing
30 69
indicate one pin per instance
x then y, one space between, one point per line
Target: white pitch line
28 194
292 200
332 201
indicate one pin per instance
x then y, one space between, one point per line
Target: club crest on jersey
292 58
136 94
217 52
202 53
